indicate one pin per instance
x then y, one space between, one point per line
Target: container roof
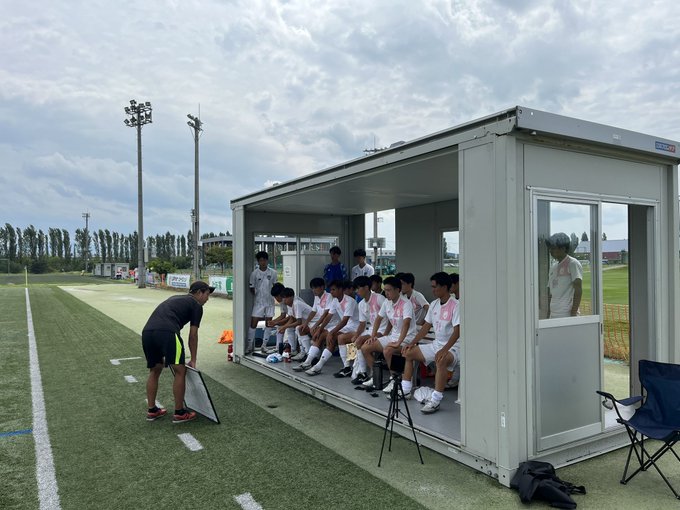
425 170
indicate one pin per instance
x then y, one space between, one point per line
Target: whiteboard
196 396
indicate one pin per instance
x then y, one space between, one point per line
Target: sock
292 339
325 356
265 337
180 411
360 362
406 386
153 409
279 338
343 355
437 396
251 337
305 343
313 353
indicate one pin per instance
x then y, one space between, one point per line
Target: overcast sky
290 87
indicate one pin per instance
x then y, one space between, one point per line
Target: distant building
612 250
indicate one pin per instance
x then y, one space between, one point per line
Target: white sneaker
272 350
299 357
407 396
388 389
313 371
368 383
430 407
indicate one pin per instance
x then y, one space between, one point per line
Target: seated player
261 281
369 306
443 316
310 318
418 301
455 285
298 310
346 308
376 284
400 331
280 320
327 321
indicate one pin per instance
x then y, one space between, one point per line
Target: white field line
190 442
117 361
247 502
48 492
130 378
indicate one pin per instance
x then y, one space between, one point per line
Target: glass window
567 244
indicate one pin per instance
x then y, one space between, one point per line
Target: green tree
219 255
162 267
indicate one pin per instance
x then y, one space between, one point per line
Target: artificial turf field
286 449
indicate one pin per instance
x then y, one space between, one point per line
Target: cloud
286 88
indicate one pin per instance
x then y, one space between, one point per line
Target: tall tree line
54 250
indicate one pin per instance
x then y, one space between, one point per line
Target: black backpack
537 480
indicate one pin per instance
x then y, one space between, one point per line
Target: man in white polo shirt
400 331
443 315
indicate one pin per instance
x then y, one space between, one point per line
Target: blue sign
661 146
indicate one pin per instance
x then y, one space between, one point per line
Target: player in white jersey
444 317
345 306
401 329
262 279
328 319
309 318
565 279
419 302
297 312
361 268
369 307
278 321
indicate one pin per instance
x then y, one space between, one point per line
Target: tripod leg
410 421
387 424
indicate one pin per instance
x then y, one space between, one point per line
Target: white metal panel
479 333
574 171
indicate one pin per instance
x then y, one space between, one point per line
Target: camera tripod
393 412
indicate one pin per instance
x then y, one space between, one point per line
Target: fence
616 330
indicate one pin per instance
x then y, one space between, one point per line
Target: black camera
397 364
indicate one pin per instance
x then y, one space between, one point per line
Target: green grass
107 456
53 279
614 285
17 453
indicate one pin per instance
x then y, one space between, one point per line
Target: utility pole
195 125
86 252
140 114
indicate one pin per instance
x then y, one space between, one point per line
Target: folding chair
657 418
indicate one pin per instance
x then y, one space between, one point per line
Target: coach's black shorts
164 347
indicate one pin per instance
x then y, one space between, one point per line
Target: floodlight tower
86 216
139 114
196 126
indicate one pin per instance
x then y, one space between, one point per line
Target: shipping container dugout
505 183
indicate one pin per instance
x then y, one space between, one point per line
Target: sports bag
537 480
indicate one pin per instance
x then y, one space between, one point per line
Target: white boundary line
190 442
131 378
118 360
48 492
247 502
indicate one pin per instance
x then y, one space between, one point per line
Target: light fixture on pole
196 126
139 114
86 244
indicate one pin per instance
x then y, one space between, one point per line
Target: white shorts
430 350
262 310
349 328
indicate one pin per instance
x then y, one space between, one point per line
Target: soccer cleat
302 367
344 372
299 357
359 379
429 407
313 371
367 384
154 415
185 416
388 389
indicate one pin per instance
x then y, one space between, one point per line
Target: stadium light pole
195 125
86 215
138 115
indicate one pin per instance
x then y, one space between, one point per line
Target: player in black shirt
163 346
